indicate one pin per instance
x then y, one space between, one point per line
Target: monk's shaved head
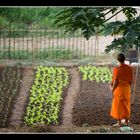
121 57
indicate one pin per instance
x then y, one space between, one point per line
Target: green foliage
114 28
45 96
98 74
19 17
10 79
88 19
130 30
3 22
129 12
85 19
40 54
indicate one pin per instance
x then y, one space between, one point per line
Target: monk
120 86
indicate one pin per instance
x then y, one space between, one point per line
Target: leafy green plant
45 97
98 74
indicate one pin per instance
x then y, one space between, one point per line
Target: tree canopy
88 19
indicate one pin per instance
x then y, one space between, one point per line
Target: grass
54 57
40 54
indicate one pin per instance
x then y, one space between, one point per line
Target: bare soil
71 97
66 130
94 103
21 101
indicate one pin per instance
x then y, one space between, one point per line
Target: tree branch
107 13
110 18
113 15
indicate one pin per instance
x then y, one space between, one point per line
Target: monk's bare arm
115 83
130 83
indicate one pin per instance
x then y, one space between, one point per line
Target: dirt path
70 99
68 130
19 107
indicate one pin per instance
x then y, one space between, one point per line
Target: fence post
33 45
44 34
18 41
81 44
9 41
77 44
1 43
27 37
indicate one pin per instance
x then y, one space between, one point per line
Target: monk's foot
117 125
126 123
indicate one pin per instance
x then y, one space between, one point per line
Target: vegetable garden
49 90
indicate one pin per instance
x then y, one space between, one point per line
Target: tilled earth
94 103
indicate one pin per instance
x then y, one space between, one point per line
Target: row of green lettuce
94 73
45 96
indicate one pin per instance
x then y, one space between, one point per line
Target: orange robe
120 108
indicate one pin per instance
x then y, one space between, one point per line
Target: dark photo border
69 2
22 3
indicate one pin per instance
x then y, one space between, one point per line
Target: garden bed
92 106
46 96
94 103
10 82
